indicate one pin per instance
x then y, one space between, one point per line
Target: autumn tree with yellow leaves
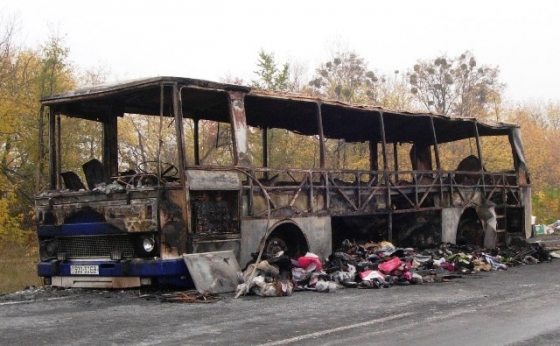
25 76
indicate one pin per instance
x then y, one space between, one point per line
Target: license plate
84 270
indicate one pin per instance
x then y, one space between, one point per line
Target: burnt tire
470 232
290 239
273 242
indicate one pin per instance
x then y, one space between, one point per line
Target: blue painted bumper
164 271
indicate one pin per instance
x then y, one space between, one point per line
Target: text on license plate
84 270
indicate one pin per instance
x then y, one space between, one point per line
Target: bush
546 205
10 225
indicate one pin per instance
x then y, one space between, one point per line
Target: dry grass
18 267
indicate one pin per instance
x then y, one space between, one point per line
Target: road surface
519 306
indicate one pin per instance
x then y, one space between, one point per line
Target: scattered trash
380 265
540 229
270 277
544 229
361 266
189 297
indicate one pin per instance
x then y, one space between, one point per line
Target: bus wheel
289 238
470 232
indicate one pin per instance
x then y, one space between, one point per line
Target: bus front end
107 239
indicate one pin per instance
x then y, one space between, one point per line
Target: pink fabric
365 273
371 274
390 265
305 261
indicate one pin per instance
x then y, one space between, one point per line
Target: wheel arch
469 227
291 234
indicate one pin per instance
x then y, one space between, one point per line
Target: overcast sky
215 39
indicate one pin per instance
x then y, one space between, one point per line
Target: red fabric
390 265
365 273
407 276
448 266
305 261
371 274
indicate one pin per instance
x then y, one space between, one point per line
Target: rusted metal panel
173 225
136 215
213 180
52 151
213 272
212 215
239 127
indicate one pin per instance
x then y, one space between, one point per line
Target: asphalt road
519 306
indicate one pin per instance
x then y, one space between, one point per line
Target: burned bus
171 166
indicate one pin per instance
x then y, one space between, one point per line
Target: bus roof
203 99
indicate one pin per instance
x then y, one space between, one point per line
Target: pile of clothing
372 265
267 276
377 265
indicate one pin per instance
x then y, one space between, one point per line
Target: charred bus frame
133 229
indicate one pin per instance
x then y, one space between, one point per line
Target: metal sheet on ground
213 272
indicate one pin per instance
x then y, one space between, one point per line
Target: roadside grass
18 267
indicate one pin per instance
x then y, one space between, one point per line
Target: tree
298 81
432 83
56 75
270 76
93 76
26 75
346 78
541 142
11 218
228 78
479 91
288 78
457 86
393 92
7 49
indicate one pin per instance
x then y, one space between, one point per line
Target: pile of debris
267 276
378 265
